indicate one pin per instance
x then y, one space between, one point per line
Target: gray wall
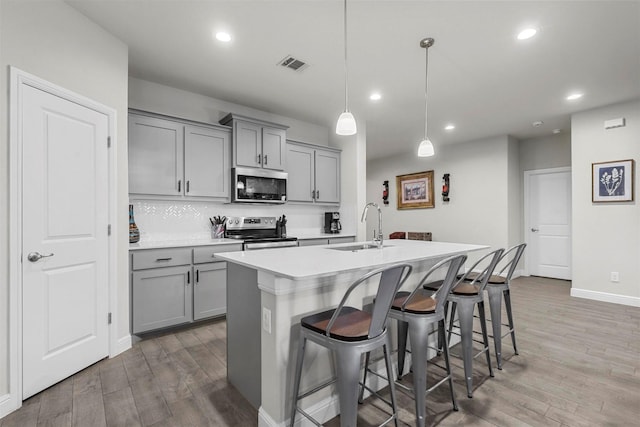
606 236
546 152
52 41
479 210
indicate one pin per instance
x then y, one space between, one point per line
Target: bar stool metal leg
495 306
402 346
443 337
298 375
465 316
347 375
485 337
419 335
507 303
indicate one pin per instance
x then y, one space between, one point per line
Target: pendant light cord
426 103
346 87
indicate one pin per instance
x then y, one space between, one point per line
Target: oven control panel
250 222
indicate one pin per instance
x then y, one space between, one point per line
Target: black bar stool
349 332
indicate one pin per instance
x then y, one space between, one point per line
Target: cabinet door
155 156
210 290
247 144
300 160
273 148
327 176
161 297
206 162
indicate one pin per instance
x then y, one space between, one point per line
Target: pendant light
346 123
425 149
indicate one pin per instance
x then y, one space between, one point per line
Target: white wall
606 236
547 152
157 98
52 41
478 210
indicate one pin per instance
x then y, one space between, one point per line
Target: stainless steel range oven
257 232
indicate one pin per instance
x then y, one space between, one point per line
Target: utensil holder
217 231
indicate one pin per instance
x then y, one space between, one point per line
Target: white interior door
64 221
548 225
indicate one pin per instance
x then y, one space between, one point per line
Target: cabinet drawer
204 254
154 258
312 242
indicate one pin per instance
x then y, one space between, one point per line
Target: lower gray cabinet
172 286
161 297
210 290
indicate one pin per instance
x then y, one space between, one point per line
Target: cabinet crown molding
226 120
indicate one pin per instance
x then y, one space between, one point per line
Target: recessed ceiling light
556 131
527 33
223 36
574 96
537 123
375 97
449 127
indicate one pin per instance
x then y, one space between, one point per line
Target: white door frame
527 224
18 79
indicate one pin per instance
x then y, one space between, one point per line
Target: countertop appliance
257 232
253 185
332 222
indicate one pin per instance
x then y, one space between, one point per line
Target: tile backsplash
174 220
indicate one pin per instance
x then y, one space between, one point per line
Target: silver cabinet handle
313 194
163 259
265 159
188 186
317 194
35 256
179 185
535 230
259 158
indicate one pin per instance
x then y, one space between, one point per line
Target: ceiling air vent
293 63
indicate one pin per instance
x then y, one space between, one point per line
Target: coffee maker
332 222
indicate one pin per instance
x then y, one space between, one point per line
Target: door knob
535 230
35 256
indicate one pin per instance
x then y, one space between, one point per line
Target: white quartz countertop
299 263
158 244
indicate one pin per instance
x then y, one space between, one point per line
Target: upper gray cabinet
178 159
256 143
314 173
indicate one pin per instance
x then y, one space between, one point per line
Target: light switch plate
266 319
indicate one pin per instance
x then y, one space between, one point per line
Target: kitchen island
269 291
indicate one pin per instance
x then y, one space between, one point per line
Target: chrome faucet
376 239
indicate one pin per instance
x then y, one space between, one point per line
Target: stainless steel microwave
252 185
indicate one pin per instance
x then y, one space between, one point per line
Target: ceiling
481 78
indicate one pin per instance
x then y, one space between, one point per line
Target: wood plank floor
579 365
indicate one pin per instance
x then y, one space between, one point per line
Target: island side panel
243 332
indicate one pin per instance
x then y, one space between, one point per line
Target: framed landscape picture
612 181
415 190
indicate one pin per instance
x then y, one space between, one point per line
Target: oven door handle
248 246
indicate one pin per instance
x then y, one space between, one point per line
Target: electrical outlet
266 319
615 276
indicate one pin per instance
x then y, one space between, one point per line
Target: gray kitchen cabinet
172 286
206 162
257 143
210 290
178 158
161 297
326 241
155 156
314 173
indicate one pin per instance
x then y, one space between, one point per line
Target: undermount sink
358 247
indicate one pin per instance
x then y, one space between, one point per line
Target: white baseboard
322 411
8 404
122 344
606 297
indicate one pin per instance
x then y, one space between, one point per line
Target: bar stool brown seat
463 298
349 332
417 311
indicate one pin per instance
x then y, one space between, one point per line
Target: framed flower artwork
612 181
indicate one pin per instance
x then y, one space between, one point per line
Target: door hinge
109 230
109 318
108 142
